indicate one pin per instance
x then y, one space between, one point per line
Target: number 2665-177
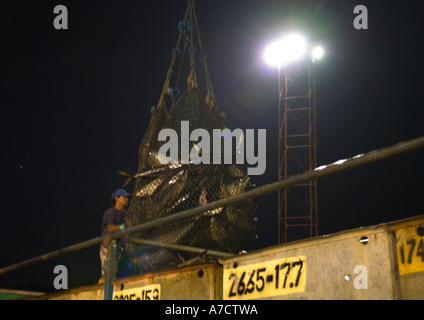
271 279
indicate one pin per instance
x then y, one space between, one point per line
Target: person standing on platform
112 221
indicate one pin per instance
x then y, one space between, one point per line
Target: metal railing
319 172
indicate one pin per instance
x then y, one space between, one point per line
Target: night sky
76 103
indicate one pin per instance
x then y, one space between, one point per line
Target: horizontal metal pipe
51 255
317 173
179 247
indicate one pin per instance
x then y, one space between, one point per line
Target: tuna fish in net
168 189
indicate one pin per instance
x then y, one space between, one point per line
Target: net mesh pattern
169 189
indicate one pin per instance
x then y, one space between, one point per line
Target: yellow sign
266 279
410 250
150 292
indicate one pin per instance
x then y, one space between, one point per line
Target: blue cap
120 192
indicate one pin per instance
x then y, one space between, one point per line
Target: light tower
297 205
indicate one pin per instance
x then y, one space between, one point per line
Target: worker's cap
120 192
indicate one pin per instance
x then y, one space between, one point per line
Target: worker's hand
121 226
107 240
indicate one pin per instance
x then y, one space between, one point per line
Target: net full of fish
170 189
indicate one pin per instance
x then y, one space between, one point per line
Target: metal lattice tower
297 205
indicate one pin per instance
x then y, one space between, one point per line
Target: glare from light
272 54
317 53
294 47
285 51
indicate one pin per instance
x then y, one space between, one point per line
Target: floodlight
317 53
285 51
294 46
272 54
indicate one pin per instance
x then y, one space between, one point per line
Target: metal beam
178 247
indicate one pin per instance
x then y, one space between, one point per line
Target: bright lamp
285 51
317 53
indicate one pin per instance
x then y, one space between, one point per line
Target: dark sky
76 103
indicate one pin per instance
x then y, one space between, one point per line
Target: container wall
381 262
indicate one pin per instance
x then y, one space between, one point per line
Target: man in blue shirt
113 220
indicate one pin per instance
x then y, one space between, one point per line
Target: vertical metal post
111 268
280 195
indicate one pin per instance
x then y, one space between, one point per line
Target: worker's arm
114 227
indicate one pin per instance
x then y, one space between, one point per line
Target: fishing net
164 190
